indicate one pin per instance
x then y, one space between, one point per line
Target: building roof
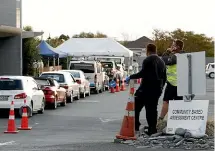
139 43
9 31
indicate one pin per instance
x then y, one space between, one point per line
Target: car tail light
20 96
65 86
4 78
49 92
78 81
95 79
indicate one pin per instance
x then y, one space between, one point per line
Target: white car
93 71
210 70
80 78
18 89
67 81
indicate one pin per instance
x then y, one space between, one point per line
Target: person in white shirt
135 66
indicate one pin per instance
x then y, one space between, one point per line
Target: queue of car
50 89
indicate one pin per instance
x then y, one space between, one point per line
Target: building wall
10 61
8 12
10 47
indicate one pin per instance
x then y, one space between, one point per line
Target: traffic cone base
24 122
112 90
24 128
11 132
11 125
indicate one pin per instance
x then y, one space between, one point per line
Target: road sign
191 74
188 115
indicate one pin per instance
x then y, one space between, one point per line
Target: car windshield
75 74
58 77
10 84
107 64
85 67
42 82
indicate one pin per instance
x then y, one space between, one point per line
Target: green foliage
30 52
192 42
90 35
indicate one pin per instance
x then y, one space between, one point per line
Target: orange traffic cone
112 90
11 128
123 85
127 131
24 122
117 86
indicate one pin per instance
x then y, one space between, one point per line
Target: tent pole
67 62
54 62
58 60
48 61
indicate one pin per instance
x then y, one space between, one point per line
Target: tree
125 39
90 35
192 42
30 52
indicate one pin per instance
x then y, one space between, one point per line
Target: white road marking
85 101
7 143
107 120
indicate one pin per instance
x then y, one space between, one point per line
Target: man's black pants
150 101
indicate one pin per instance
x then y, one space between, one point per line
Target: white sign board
198 74
188 115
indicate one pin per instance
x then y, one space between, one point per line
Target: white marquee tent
94 46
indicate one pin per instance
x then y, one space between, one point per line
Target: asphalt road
89 124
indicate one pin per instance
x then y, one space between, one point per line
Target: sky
121 19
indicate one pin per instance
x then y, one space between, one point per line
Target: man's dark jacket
153 74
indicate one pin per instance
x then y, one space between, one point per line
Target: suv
93 72
210 70
67 81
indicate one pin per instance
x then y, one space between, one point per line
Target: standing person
135 66
153 74
170 60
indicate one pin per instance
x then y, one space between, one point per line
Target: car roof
53 72
15 77
71 70
211 63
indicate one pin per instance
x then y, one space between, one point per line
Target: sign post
191 80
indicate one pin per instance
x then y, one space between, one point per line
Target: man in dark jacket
170 59
153 76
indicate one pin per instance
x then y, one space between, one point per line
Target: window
85 67
42 82
10 84
73 80
107 65
56 76
56 83
75 74
212 65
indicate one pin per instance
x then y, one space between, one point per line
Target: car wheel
78 96
42 109
88 94
71 98
97 91
211 75
83 95
29 111
64 102
54 105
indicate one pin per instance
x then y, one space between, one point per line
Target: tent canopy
94 46
49 51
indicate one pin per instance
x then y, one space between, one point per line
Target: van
92 71
210 70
